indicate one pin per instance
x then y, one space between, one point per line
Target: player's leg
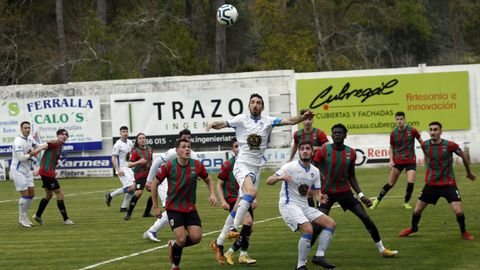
162 222
304 244
328 224
22 186
324 208
127 180
453 197
244 240
61 206
48 185
429 195
126 201
133 202
392 179
411 175
217 244
249 192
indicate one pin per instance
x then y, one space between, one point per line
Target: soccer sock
380 246
41 207
126 199
29 202
133 202
242 210
63 210
324 240
226 228
316 232
415 221
160 223
384 191
148 207
176 253
245 237
303 249
408 193
22 207
461 222
119 192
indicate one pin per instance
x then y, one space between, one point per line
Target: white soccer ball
227 14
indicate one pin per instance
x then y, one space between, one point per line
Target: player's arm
223 202
354 183
466 163
212 199
273 179
216 125
135 160
390 153
154 194
154 168
296 119
293 151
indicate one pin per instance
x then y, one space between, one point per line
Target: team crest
312 175
303 189
347 155
254 141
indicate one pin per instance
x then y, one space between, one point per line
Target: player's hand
120 172
225 206
287 178
209 126
157 211
148 186
142 161
392 164
35 173
366 201
254 204
212 200
308 114
323 198
471 176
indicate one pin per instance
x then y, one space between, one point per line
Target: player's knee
195 238
60 196
331 224
180 240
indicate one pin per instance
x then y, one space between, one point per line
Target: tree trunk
102 11
220 45
318 32
188 13
62 43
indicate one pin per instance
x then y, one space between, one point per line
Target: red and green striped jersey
317 137
403 143
230 185
439 162
50 159
182 184
141 170
335 166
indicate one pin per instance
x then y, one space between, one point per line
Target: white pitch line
159 247
66 195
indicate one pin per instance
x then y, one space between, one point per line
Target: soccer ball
227 14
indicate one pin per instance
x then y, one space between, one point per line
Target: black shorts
250 210
50 183
346 200
178 219
406 166
431 194
140 183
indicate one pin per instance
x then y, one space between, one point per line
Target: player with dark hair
402 156
181 175
227 189
252 132
440 178
309 133
337 164
53 150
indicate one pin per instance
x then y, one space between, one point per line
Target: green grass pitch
101 239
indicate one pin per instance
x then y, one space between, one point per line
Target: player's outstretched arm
216 125
296 119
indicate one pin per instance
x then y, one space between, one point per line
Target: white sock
323 241
22 208
126 200
117 192
243 252
380 246
303 249
241 211
226 228
159 223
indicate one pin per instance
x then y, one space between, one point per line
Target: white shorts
162 192
242 170
128 178
293 215
22 180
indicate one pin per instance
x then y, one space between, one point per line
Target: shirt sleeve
452 146
415 133
236 121
154 168
392 141
295 137
202 172
275 121
115 150
162 172
322 137
171 154
319 155
283 170
134 156
317 184
224 172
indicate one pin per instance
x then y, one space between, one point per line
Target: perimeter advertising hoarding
368 104
161 115
80 116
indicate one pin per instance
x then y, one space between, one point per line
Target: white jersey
304 178
252 135
171 154
121 149
21 161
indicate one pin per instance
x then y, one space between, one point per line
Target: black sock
415 221
41 207
148 207
63 210
133 202
245 237
384 191
408 193
176 254
311 203
461 222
